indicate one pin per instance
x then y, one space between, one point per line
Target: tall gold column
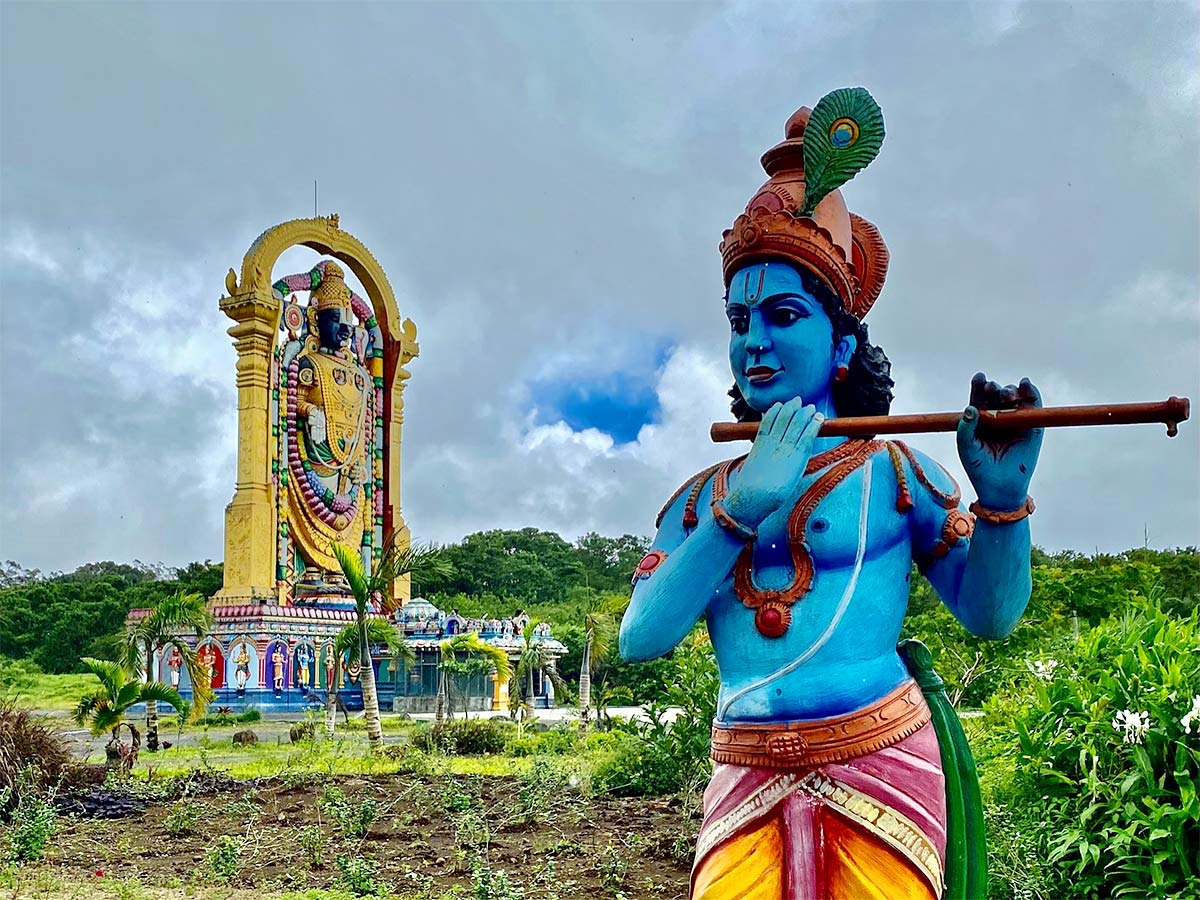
250 517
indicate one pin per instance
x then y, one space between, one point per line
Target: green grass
49 693
346 754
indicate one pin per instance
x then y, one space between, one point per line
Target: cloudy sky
545 186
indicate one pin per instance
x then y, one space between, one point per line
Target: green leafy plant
312 841
352 819
104 709
493 884
1109 757
33 823
225 857
375 586
183 818
164 628
359 875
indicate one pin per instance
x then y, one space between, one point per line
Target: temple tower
321 373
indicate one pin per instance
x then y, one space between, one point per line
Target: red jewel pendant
773 619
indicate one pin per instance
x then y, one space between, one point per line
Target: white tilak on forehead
847 595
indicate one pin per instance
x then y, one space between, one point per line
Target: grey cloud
544 183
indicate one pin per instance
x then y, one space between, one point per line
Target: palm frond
347 641
87 706
111 675
420 561
129 694
156 690
382 633
202 692
603 630
351 564
106 719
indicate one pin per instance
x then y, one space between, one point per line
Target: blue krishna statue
839 769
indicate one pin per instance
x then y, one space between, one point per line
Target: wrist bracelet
1003 518
722 517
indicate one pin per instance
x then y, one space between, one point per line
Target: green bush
636 765
555 742
32 825
225 857
352 819
465 737
651 757
1109 759
621 696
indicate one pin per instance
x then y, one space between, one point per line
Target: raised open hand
999 466
774 469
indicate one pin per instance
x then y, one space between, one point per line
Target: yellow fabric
861 867
855 866
748 867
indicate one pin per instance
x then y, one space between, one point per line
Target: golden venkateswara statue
320 406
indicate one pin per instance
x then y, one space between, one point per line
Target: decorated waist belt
815 742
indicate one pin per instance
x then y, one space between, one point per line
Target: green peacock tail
844 133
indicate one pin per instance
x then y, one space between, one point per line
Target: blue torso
857 663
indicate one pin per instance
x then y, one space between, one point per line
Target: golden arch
250 518
324 235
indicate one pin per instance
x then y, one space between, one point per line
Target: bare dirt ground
428 837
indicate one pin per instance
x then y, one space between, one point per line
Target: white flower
1191 715
1132 725
1045 670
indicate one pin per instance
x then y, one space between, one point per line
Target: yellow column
250 517
408 351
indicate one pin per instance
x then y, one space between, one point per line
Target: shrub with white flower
1044 670
1191 716
1132 725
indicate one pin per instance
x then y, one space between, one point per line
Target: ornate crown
801 217
332 292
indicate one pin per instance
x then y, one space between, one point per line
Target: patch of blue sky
617 402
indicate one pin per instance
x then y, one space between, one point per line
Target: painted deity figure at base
829 776
241 662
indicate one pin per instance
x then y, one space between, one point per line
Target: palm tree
600 619
165 627
530 658
475 649
104 709
394 562
347 644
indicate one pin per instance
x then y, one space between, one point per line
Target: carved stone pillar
250 517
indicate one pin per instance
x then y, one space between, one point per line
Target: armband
722 517
994 517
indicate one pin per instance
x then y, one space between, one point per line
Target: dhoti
836 809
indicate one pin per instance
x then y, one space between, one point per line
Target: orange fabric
859 866
747 867
855 866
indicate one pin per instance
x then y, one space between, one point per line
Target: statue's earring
841 373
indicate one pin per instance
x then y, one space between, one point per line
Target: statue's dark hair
867 390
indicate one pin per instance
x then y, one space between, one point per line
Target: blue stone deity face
781 342
334 328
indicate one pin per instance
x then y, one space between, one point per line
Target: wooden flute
1169 412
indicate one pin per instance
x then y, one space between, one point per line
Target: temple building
320 375
279 659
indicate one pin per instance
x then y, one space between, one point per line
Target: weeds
33 824
613 868
359 875
493 885
351 819
225 858
312 841
182 819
